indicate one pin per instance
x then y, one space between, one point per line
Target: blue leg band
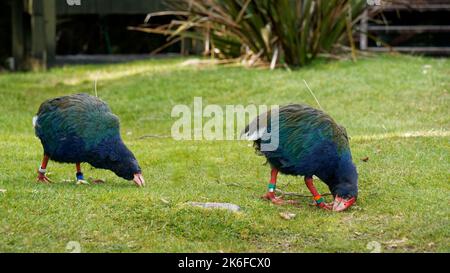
80 176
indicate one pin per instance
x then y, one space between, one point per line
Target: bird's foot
89 181
80 179
82 182
322 205
325 206
334 206
42 178
339 204
277 200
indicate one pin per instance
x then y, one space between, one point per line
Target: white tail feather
35 118
255 134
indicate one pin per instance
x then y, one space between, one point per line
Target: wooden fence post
43 33
50 30
38 55
18 38
363 41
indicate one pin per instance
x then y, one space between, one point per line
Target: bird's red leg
270 195
79 175
42 169
320 202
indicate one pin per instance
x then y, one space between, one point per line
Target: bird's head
345 188
124 164
128 168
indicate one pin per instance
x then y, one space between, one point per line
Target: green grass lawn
395 108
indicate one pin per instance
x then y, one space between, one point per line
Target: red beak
139 180
341 204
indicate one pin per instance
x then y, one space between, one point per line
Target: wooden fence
34 24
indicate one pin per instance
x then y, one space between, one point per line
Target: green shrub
290 31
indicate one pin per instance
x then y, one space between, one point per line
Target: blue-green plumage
310 143
82 128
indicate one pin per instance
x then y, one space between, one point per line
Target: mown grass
395 108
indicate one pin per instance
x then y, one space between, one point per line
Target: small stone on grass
209 205
287 215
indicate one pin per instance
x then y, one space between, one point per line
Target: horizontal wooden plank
109 7
411 49
419 7
416 28
100 58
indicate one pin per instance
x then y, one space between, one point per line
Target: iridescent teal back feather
301 126
83 115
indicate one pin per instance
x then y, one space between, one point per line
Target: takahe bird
310 143
81 128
